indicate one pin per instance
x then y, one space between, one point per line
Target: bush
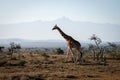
59 51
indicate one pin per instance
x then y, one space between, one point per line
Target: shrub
59 51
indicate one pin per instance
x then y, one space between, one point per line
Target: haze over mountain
42 30
33 43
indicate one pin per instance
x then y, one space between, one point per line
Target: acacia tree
92 49
96 40
99 51
13 47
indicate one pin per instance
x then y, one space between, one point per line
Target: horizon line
63 17
50 40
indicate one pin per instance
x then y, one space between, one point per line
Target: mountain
32 43
36 43
79 30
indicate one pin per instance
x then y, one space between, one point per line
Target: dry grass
54 67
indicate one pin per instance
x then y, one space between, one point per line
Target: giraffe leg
67 56
79 57
74 58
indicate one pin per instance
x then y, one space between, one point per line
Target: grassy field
54 67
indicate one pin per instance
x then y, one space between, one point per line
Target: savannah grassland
54 67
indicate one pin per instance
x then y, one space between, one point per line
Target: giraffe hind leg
81 57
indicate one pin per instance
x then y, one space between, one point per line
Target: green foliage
59 51
115 55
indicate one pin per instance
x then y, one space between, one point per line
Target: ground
54 67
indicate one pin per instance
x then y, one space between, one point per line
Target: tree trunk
94 54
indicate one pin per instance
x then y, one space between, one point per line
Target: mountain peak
63 19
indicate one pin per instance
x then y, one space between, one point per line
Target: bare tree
13 47
96 40
92 49
99 50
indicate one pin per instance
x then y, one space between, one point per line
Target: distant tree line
97 50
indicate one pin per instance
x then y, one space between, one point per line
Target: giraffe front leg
74 58
67 56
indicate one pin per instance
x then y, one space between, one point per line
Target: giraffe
71 43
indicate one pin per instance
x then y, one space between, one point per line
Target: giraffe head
55 27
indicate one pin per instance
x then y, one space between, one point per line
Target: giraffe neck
65 36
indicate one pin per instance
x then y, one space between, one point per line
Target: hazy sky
17 11
100 11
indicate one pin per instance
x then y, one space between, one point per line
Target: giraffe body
71 43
